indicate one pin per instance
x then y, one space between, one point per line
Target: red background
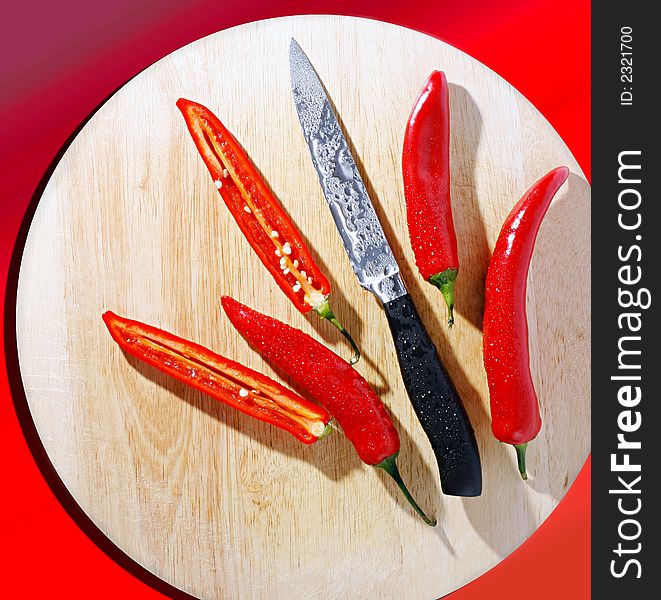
59 60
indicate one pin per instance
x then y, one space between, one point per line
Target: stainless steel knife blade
369 252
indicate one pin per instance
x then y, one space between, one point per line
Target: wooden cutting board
223 506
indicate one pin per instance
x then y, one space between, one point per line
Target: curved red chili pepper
221 378
515 417
329 380
263 222
426 173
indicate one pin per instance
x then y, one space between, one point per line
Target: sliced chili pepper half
263 222
230 382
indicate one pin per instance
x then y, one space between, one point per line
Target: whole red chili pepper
515 415
426 173
270 232
221 378
329 380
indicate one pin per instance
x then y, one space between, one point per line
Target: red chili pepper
329 380
221 378
260 217
426 172
515 415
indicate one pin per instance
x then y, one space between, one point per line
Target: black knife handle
435 400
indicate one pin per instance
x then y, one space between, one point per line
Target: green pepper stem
389 465
328 429
521 458
325 312
444 281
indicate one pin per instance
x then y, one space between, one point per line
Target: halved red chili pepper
221 378
329 380
515 417
260 217
426 173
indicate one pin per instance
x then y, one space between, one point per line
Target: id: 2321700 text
626 66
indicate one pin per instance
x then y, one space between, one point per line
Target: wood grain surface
218 504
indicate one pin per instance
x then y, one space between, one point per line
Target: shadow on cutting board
502 498
472 244
333 456
422 482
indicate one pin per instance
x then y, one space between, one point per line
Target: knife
428 385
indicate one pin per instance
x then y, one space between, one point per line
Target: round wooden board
218 504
